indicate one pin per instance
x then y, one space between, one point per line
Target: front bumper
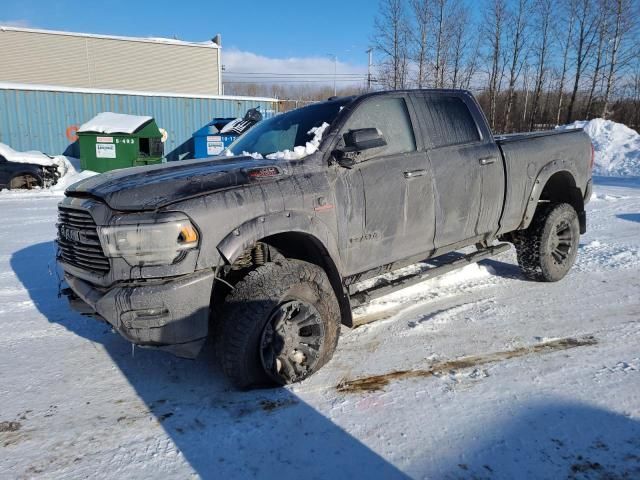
172 314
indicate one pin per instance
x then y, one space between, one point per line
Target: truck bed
525 157
515 137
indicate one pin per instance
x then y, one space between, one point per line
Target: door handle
415 173
488 160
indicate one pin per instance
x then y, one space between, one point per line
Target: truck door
389 215
468 173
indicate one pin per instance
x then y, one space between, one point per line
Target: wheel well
35 175
294 245
561 188
302 246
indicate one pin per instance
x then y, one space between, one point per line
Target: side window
277 140
391 117
448 121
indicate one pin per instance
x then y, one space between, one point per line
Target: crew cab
267 248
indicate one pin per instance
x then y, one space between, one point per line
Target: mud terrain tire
547 249
279 325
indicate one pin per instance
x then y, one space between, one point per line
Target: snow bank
73 175
617 147
298 152
108 122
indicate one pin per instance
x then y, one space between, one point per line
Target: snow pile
108 122
298 152
73 175
617 147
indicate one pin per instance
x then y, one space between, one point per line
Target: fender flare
251 231
550 169
247 234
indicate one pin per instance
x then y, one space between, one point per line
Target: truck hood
152 187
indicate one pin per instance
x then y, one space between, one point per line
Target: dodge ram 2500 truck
268 249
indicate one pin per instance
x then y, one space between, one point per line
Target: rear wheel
26 182
279 325
547 249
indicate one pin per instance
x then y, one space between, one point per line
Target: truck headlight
157 243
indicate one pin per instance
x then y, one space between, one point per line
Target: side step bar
384 287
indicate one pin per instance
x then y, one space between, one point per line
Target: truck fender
550 169
259 228
247 234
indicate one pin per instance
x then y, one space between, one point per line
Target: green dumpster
112 140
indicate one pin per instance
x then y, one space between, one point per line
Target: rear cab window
447 121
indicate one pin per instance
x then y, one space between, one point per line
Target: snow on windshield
297 152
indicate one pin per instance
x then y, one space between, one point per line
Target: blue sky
275 29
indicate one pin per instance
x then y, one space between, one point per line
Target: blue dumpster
208 141
213 138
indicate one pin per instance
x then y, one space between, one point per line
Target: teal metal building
46 118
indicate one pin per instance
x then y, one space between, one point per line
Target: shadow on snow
549 439
221 432
631 217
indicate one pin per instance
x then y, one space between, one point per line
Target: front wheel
24 182
279 325
547 249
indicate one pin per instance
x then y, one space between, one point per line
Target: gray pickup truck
267 250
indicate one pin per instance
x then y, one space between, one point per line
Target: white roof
167 41
108 91
108 122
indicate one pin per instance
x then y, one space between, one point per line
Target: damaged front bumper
171 315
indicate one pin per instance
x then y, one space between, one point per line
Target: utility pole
335 73
369 79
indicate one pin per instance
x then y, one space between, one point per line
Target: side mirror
363 139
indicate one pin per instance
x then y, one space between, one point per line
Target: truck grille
78 242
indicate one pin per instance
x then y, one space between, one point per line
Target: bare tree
495 17
586 31
471 67
567 27
543 15
525 86
517 21
635 93
391 40
440 29
459 43
603 34
422 13
622 18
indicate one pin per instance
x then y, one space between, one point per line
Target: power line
275 80
296 74
324 79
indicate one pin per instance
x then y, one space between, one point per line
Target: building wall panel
89 61
39 119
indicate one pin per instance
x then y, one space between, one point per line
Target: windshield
289 130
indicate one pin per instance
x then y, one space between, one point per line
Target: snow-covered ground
478 374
